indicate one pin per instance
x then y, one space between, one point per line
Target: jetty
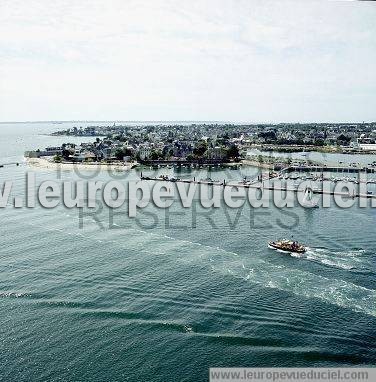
9 164
325 168
257 183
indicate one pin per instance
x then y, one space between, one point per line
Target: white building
82 156
144 152
216 153
365 144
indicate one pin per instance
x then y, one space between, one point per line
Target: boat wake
252 267
347 260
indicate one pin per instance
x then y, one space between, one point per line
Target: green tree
58 158
156 154
319 142
343 140
200 148
233 152
119 153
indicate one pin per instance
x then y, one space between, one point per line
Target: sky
239 61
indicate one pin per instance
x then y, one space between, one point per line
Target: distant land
192 121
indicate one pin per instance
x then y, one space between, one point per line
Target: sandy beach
97 166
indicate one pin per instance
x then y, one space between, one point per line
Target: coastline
290 149
253 163
45 163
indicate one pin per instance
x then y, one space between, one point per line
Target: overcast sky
255 61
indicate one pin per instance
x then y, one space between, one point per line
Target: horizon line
186 121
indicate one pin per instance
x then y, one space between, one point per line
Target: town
206 143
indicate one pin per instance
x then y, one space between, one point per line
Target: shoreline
45 163
254 163
295 149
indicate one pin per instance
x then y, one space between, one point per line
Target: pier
344 169
257 184
9 164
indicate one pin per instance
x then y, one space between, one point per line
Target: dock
344 169
9 164
257 184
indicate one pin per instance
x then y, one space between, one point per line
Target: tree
119 153
65 153
233 152
269 136
156 154
343 140
57 158
122 152
200 148
319 142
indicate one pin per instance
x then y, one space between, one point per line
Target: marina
265 181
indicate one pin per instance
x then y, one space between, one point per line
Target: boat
308 201
287 246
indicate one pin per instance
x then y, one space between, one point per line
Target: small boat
287 246
308 201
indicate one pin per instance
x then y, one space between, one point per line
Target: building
144 152
216 153
364 144
48 152
83 156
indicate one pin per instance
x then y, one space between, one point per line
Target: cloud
231 60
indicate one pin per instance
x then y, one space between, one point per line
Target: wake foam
346 260
254 268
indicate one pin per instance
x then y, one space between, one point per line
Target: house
216 153
83 156
364 144
108 153
47 152
144 152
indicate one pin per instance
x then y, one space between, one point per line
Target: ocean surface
167 295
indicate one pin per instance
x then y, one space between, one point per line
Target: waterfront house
144 152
